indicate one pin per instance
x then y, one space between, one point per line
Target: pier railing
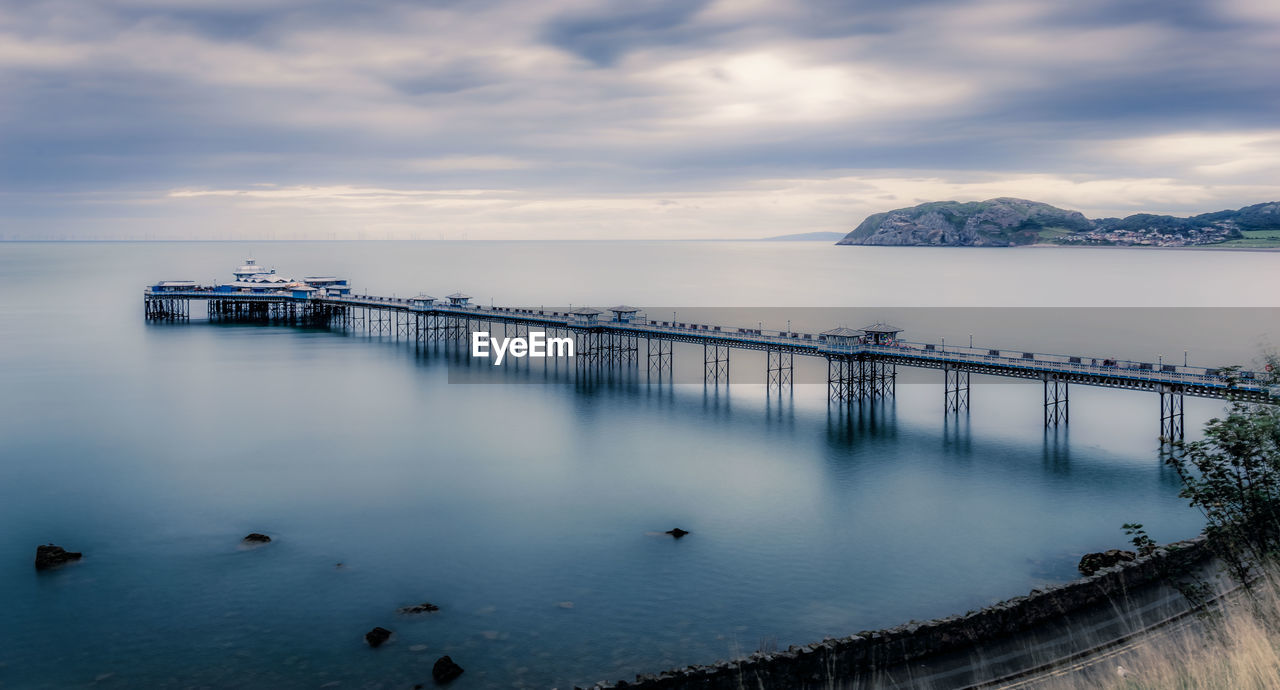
799 342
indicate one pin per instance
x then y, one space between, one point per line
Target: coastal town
1152 236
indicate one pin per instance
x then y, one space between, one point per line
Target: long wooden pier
861 364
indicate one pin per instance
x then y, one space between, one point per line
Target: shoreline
1207 247
950 642
1043 245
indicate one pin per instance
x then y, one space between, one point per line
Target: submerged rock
424 607
377 636
50 556
1093 562
445 670
677 532
256 538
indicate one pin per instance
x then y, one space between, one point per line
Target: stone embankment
844 659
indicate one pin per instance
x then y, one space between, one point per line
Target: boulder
51 556
677 532
256 538
377 636
1093 562
445 670
424 607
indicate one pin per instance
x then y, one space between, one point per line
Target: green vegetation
1256 239
1050 234
999 222
1232 476
1233 643
1007 222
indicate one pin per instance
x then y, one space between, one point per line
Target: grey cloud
140 96
604 33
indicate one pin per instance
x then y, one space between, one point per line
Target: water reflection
957 433
1056 451
141 447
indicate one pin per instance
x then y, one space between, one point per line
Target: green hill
1007 222
1000 222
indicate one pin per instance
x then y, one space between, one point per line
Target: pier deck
859 367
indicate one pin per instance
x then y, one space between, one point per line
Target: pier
861 363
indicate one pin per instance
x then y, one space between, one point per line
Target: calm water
153 449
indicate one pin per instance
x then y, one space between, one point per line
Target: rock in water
1093 562
424 607
256 538
377 636
677 532
445 670
51 556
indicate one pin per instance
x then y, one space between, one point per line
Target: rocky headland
1009 222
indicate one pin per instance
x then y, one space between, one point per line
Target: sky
635 119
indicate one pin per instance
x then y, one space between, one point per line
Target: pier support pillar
1056 409
659 353
1172 428
405 325
587 350
630 349
620 348
955 388
434 325
780 368
876 378
840 375
455 327
167 309
607 348
715 358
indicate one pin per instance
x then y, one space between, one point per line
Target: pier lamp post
788 328
970 341
1160 360
1184 358
944 344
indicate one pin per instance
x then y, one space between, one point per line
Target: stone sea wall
838 659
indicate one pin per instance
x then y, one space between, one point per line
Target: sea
533 512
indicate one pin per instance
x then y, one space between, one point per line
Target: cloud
564 112
603 33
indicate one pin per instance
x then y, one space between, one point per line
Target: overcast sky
566 119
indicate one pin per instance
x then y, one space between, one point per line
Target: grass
1050 234
1235 644
1232 644
1255 239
